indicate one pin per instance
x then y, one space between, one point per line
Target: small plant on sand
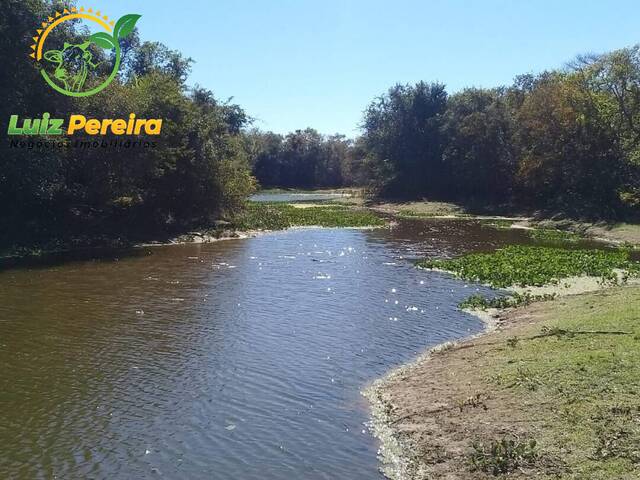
475 401
524 378
513 342
503 456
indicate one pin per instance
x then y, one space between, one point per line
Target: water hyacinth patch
535 266
479 302
278 216
553 235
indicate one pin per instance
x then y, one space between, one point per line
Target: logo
70 68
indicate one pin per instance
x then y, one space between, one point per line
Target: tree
479 156
403 136
197 169
300 159
569 153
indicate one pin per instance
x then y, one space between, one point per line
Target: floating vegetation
536 266
479 302
554 235
278 216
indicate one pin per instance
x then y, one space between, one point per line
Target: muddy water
242 359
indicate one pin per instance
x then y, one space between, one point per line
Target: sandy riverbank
428 413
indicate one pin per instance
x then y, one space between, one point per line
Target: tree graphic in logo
66 69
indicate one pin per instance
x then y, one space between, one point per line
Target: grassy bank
552 394
279 216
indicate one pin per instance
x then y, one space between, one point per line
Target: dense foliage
303 159
197 171
563 140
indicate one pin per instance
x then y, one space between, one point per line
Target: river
241 359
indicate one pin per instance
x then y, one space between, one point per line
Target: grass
587 382
535 266
503 456
279 216
422 209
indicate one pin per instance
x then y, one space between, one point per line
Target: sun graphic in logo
66 68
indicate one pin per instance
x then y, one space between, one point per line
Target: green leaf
124 26
103 40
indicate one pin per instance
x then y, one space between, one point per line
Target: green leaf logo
125 25
103 40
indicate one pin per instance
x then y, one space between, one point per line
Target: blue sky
298 63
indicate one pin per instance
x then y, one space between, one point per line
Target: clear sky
298 63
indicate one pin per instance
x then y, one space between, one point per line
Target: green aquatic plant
536 266
278 216
554 235
479 302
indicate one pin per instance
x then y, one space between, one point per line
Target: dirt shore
428 414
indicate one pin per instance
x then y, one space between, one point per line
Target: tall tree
403 135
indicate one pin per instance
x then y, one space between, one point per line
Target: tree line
198 170
303 159
565 141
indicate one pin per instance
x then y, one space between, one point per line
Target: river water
241 359
297 197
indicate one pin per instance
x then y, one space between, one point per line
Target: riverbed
236 359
